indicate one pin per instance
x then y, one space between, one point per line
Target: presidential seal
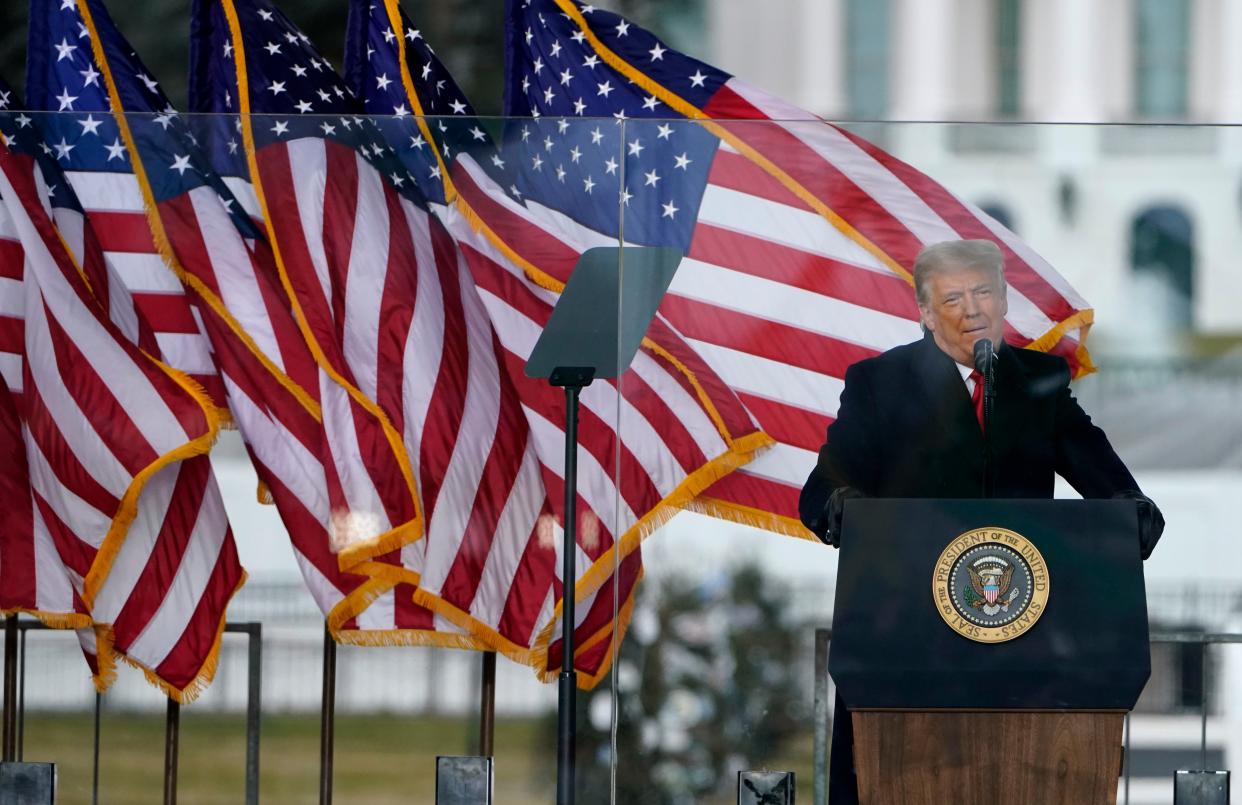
990 585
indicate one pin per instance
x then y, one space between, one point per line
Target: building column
1078 79
1229 91
1218 286
920 79
819 28
1228 100
1078 69
921 58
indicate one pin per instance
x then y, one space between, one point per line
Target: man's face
964 304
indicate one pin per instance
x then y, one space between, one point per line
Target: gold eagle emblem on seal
990 584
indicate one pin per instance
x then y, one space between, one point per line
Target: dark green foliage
13 43
158 29
467 35
706 686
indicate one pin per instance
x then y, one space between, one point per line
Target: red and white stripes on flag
270 380
12 258
798 267
307 439
32 578
394 316
375 291
115 446
803 246
744 307
443 368
441 355
276 393
331 226
648 443
113 202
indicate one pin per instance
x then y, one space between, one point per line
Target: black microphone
985 360
985 354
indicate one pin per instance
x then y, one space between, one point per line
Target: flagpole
10 688
172 746
95 750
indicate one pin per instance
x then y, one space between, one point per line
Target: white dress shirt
966 378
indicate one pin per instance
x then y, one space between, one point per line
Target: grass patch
379 758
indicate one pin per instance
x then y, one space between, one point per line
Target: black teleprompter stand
594 331
573 379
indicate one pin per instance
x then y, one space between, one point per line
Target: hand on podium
1150 520
834 511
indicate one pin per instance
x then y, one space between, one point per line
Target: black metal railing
16 630
15 687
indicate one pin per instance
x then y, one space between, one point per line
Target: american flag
274 388
799 234
62 77
115 448
381 299
671 438
162 606
32 577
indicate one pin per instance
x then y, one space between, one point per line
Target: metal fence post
819 776
1203 705
254 691
21 695
1127 759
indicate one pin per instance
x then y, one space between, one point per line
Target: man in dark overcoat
910 425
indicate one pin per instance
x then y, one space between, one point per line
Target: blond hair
954 255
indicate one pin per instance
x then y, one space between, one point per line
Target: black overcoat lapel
946 398
941 437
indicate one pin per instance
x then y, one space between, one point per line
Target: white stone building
1144 220
1108 134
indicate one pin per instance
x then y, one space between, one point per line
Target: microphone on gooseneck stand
985 362
985 357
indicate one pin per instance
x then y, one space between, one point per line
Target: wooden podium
939 717
914 757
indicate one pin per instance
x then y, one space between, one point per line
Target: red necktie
976 396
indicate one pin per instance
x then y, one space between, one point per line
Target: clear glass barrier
802 242
366 310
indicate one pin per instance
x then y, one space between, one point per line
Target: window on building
681 23
1000 213
1008 57
1162 258
866 57
1161 75
1191 669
